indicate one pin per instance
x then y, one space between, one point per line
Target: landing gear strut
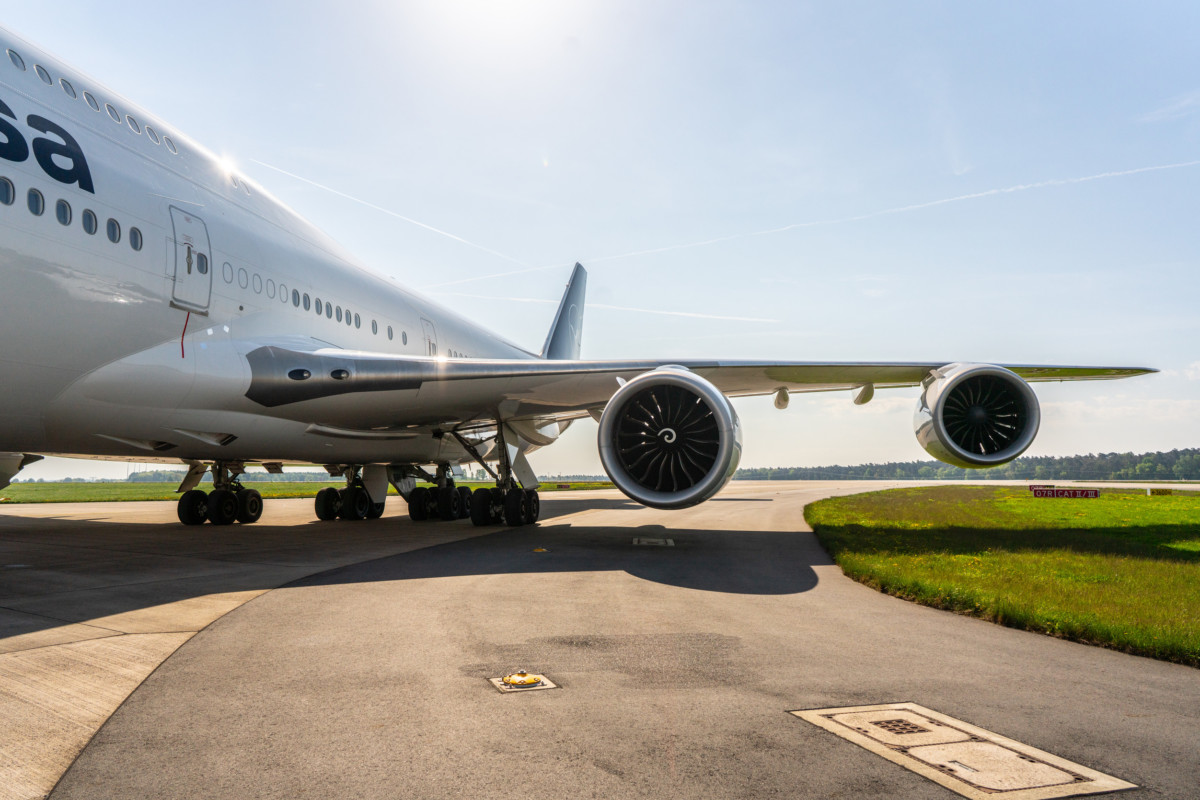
508 503
228 502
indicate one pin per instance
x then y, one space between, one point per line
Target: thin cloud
607 307
391 213
1021 187
1178 107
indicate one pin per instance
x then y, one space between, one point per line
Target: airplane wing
370 390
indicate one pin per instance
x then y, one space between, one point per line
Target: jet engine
669 439
976 415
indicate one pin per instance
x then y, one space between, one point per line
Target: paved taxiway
677 664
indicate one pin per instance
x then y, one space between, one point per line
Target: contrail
391 213
1021 187
591 305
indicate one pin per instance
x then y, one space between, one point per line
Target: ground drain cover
965 759
643 541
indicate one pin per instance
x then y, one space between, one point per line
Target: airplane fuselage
148 262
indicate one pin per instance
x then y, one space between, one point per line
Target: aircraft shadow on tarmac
732 561
58 571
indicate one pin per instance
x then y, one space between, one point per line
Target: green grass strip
1120 571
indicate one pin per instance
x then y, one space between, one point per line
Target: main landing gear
228 502
352 503
514 507
494 506
444 501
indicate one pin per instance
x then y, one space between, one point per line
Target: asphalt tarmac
677 666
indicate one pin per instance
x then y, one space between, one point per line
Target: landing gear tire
376 510
418 504
250 506
222 507
356 503
449 503
192 507
516 507
481 507
464 502
327 504
533 506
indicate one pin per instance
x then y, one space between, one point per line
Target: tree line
1177 465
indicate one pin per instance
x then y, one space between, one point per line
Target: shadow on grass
1156 542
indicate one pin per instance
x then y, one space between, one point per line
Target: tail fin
566 333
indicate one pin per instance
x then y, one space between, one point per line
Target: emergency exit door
193 262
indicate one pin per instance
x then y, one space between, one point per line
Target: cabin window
306 301
319 305
153 134
135 238
256 282
243 278
62 210
45 76
114 231
133 124
18 62
227 272
90 223
91 101
339 313
36 204
404 337
202 263
375 327
389 331
270 288
67 87
170 145
8 192
357 321
112 112
295 296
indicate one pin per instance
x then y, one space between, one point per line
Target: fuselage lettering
61 160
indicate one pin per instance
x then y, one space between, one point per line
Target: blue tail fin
566 333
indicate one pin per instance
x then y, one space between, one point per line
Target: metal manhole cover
964 758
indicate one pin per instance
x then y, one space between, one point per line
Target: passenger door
430 337
193 262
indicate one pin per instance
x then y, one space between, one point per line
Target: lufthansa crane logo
667 435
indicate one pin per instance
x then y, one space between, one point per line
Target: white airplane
158 306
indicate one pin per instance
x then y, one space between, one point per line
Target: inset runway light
522 681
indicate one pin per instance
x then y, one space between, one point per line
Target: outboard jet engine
669 439
976 415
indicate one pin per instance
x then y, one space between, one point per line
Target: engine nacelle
669 439
976 415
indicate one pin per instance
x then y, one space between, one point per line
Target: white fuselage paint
93 351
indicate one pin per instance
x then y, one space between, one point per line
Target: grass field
1121 571
108 492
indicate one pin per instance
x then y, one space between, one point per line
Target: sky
841 181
